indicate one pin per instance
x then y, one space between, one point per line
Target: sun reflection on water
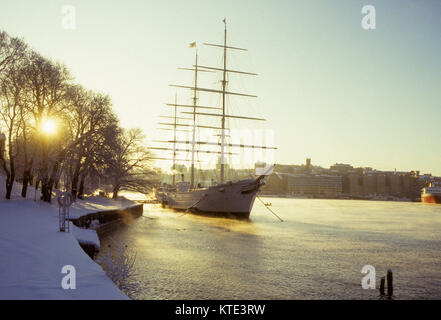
317 253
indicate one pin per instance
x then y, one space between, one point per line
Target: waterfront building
383 184
370 184
314 184
355 184
342 168
345 179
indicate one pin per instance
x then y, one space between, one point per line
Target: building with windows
401 184
344 179
314 184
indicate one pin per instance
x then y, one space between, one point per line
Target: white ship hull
233 198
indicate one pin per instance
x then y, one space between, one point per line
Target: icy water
316 253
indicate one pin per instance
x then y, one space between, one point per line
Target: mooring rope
266 206
197 202
192 206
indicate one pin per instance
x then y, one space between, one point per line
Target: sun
48 126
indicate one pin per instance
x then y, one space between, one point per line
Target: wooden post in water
382 281
390 286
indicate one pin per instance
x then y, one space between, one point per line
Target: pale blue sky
329 89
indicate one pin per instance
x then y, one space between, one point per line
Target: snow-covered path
33 253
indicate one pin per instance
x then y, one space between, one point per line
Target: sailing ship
231 198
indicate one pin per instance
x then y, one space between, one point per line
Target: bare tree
47 83
11 50
89 113
11 101
27 143
90 146
127 165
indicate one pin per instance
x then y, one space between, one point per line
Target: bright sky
329 89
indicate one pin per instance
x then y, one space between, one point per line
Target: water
316 253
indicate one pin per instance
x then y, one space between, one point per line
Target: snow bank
33 251
86 236
94 203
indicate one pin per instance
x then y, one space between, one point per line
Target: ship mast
196 110
224 85
194 120
194 106
174 144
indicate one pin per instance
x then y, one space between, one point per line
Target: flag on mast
193 44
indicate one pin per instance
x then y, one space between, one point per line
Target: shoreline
99 223
389 199
33 251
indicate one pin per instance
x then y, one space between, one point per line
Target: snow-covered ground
33 251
